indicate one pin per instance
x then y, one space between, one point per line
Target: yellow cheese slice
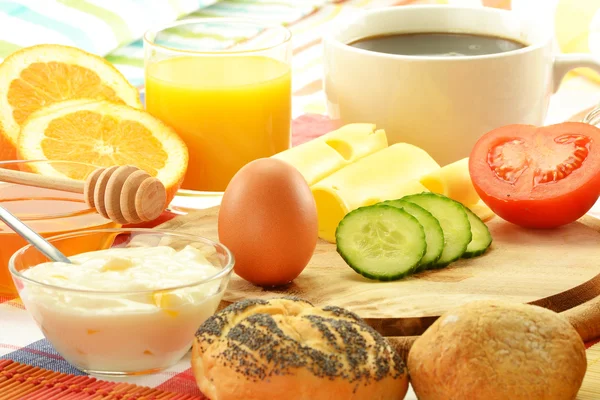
331 152
482 211
454 181
388 174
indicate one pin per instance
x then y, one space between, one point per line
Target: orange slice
42 75
103 134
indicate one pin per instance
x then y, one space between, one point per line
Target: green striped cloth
130 59
113 28
97 26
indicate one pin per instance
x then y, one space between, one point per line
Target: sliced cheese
454 181
331 152
482 211
388 174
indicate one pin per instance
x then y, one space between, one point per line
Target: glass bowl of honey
131 308
48 212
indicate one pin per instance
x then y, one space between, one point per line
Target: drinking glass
224 85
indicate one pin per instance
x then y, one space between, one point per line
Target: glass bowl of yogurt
130 309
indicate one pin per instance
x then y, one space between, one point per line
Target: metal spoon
32 237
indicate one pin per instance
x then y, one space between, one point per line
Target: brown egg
268 219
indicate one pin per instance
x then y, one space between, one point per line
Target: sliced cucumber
453 220
381 242
434 236
482 239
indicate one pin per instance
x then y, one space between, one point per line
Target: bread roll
492 350
287 349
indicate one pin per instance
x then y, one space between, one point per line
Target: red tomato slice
538 177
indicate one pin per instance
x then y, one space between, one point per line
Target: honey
48 212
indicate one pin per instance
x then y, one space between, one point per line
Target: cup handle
563 63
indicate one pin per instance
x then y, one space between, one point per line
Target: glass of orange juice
225 86
48 212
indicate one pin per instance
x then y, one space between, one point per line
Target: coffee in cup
407 70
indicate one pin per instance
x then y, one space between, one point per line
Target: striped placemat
95 26
24 382
306 19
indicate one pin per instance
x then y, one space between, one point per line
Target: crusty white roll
491 350
287 349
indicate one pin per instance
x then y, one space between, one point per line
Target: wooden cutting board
557 269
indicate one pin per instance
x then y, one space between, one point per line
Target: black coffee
437 44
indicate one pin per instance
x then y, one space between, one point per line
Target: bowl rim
227 269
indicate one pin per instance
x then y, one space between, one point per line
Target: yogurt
110 312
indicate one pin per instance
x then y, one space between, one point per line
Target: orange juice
48 212
229 110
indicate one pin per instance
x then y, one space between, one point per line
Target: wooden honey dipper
124 194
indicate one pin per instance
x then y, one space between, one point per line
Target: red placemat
24 382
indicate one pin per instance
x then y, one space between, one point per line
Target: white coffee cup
443 104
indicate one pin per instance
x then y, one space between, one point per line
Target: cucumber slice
482 239
381 242
453 220
434 236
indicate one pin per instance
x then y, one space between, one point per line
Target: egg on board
268 219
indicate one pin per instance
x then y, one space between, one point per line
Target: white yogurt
123 332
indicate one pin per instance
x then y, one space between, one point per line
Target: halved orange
38 76
103 134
